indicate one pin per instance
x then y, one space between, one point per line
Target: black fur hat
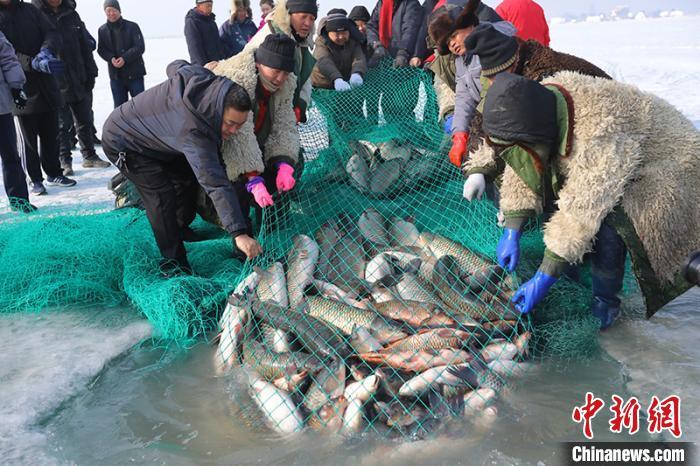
447 19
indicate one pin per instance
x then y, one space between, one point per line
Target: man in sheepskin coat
295 19
262 156
622 165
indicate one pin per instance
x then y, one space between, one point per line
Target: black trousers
35 128
80 113
168 190
13 175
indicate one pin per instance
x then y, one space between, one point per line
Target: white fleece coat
241 153
630 149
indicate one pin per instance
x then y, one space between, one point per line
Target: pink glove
256 186
285 177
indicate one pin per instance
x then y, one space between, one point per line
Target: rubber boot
607 273
607 313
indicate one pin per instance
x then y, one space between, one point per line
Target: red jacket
527 17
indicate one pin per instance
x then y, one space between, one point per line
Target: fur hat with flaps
240 5
447 19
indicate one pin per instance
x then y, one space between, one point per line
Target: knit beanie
447 19
496 51
359 13
337 22
111 4
302 6
517 109
204 1
277 51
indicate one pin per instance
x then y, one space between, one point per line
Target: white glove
501 219
474 186
356 80
340 85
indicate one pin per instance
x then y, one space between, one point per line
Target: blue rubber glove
532 292
508 250
46 62
448 124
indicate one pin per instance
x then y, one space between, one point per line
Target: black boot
93 161
21 205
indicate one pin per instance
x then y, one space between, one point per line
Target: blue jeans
608 266
121 89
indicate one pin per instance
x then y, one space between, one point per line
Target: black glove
377 55
401 59
20 98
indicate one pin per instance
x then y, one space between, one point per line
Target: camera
691 269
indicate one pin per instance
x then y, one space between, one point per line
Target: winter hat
496 51
111 4
447 19
302 6
337 10
337 22
518 109
277 51
359 13
204 1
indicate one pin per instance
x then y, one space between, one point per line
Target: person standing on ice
239 28
12 95
340 57
392 31
266 7
295 19
262 156
36 43
121 45
202 35
76 83
167 141
629 185
528 18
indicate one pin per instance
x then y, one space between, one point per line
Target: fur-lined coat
278 22
241 153
536 62
634 159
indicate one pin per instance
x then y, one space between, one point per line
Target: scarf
386 16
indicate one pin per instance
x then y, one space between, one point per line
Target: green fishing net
377 305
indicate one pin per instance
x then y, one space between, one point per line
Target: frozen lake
74 388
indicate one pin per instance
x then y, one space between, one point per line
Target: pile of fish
373 325
384 170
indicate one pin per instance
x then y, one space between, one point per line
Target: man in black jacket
392 30
202 35
36 43
166 141
120 44
76 83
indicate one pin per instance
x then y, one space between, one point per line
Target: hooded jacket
28 30
405 24
203 40
633 160
335 61
278 22
528 17
79 78
122 39
536 62
181 116
242 153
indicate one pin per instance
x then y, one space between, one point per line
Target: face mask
268 85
